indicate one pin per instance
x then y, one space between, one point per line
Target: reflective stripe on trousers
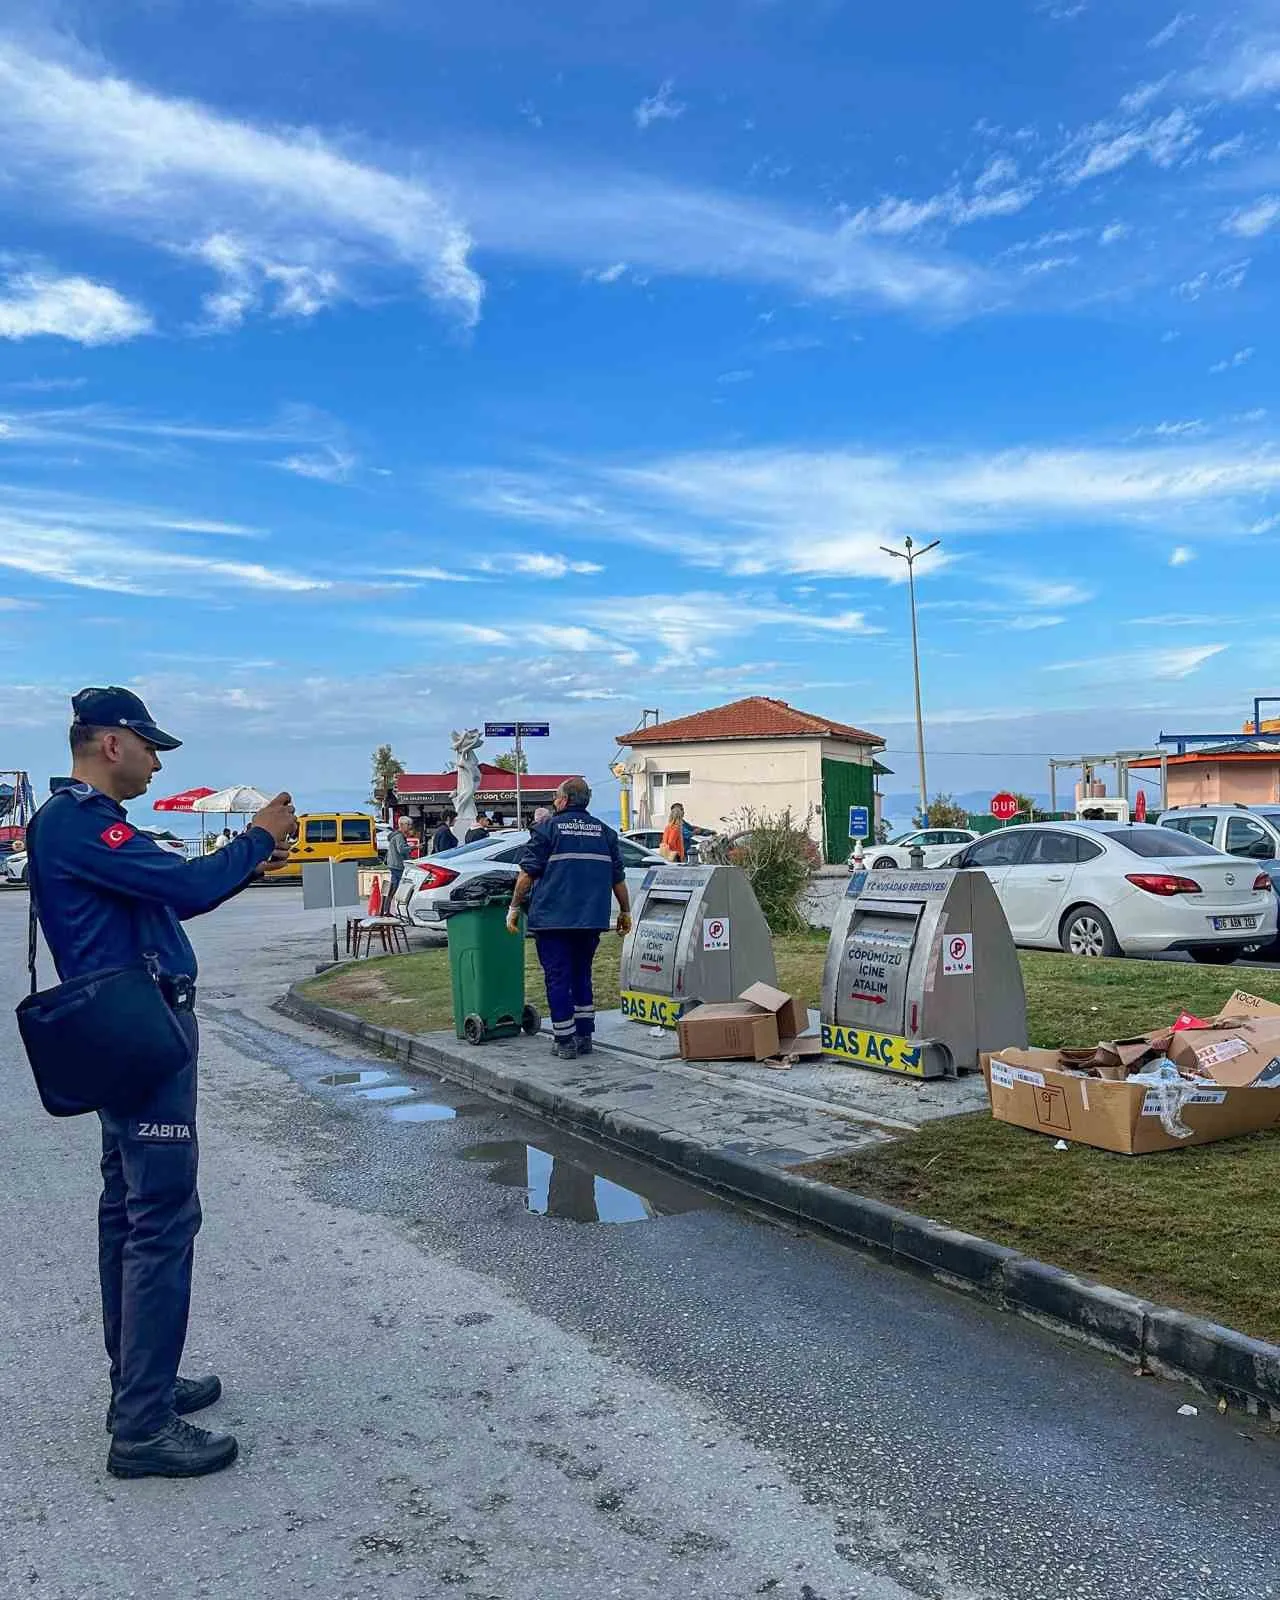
566 958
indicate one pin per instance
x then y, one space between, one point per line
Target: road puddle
392 1091
422 1111
353 1080
577 1188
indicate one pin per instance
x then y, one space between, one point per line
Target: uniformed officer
107 896
570 867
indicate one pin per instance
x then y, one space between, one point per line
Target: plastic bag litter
1188 1411
1062 1145
1173 1091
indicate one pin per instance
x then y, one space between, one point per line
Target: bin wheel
530 1020
473 1029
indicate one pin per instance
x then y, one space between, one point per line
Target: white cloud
172 171
251 279
995 193
609 274
1171 29
1253 70
1175 662
1237 360
329 465
36 303
1032 623
539 564
1114 232
1253 220
1225 149
1140 98
431 575
1107 146
1181 555
659 107
828 512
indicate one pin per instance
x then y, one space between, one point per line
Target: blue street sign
859 822
535 730
510 730
499 730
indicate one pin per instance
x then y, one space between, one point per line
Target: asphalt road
440 1392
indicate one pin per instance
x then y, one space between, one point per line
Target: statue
465 745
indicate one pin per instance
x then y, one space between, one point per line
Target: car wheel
1215 955
1086 932
883 864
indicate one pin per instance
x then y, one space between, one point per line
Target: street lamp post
911 555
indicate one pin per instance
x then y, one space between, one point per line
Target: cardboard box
1027 1088
1238 1055
761 1022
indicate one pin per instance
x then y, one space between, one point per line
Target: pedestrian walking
542 814
674 846
569 871
444 837
480 831
108 897
398 850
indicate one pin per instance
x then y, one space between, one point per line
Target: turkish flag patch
117 834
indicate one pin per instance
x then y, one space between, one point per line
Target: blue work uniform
106 896
575 862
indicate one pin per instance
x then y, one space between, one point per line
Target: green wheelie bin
486 966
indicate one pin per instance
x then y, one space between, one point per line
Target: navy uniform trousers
566 955
148 1218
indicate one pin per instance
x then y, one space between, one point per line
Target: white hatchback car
938 844
1108 889
15 864
435 880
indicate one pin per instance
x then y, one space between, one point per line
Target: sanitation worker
570 872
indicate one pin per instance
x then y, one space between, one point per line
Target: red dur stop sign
1004 806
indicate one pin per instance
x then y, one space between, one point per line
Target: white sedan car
1109 889
938 844
432 882
15 864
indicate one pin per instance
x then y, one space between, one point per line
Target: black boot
189 1394
564 1050
179 1450
584 1044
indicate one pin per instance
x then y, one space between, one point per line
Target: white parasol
242 798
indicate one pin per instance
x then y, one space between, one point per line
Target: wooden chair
389 930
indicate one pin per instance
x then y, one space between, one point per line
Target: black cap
118 708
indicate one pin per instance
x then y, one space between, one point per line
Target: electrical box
697 935
921 974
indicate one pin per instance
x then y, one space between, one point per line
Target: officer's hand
623 924
278 818
513 920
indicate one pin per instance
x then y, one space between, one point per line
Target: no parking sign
715 933
957 955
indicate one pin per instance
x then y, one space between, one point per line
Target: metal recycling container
697 935
486 969
921 974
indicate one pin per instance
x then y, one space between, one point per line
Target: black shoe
584 1044
189 1394
565 1050
179 1450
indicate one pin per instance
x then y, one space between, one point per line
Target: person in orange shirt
673 846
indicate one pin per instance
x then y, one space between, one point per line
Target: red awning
182 802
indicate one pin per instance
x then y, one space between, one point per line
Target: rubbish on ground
1188 1411
763 1022
1186 1020
1061 1144
1155 1091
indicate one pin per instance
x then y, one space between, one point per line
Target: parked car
1108 889
325 836
938 844
433 882
651 838
15 864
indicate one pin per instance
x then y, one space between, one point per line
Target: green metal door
844 784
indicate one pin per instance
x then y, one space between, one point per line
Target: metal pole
519 824
911 556
333 907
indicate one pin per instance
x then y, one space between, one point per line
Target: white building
759 753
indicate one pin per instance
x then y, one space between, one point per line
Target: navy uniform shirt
106 895
575 861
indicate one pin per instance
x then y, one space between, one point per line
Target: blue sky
369 368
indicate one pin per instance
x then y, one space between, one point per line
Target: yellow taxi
328 836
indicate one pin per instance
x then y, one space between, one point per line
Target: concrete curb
1222 1361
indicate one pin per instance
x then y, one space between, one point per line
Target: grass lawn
1195 1228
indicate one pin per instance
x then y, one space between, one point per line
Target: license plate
1234 924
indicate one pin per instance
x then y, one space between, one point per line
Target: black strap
31 929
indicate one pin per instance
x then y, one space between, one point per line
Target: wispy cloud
996 192
1237 360
252 279
541 564
1170 31
815 512
1181 555
1109 145
1175 662
659 107
1254 220
169 171
329 465
88 313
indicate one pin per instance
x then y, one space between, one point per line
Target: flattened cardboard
1244 1004
1027 1089
793 1020
1235 1055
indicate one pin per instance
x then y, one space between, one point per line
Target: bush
778 857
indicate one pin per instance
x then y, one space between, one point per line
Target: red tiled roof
409 784
759 717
